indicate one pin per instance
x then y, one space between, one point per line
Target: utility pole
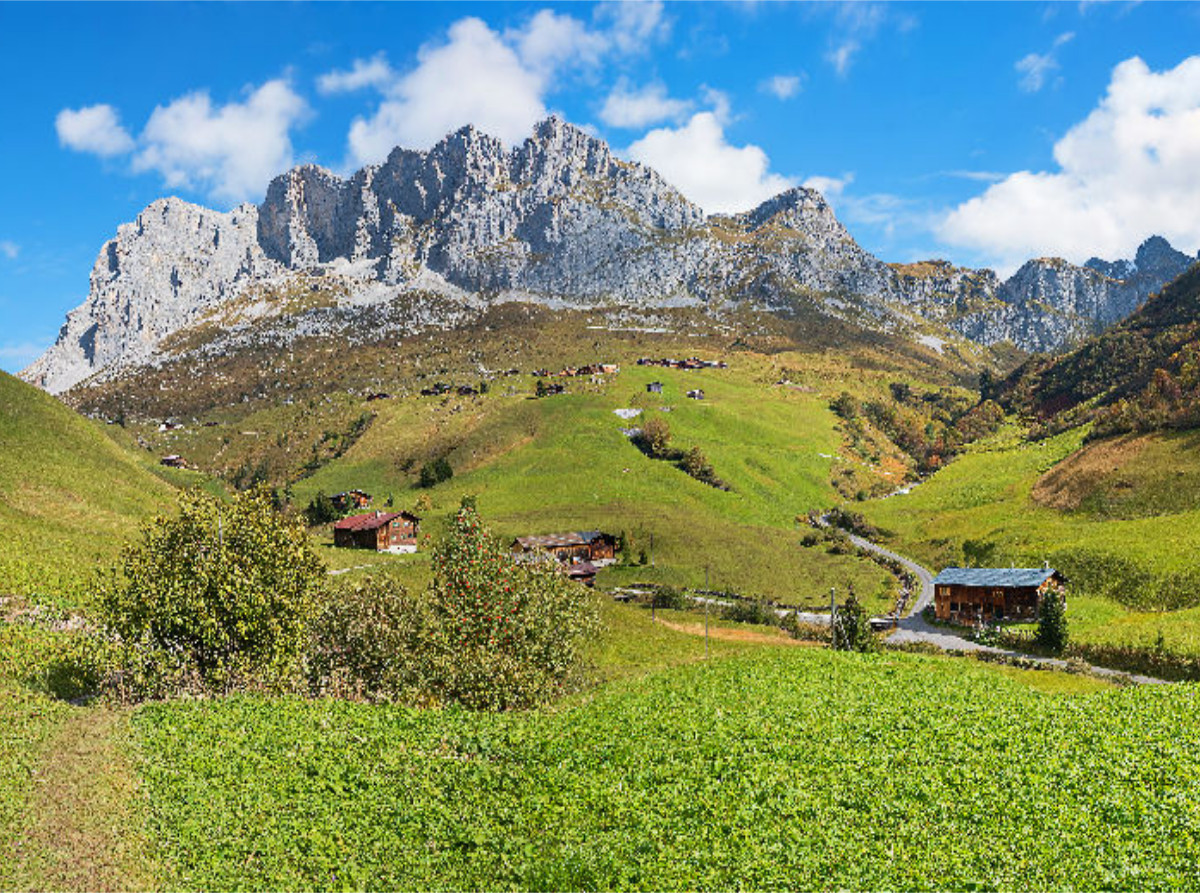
833 617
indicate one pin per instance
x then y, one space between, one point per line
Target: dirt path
83 812
736 635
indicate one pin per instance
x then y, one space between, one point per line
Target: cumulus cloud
94 128
627 107
474 77
9 249
499 81
373 72
698 160
781 86
229 151
1124 173
830 187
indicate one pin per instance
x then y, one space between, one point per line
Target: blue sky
983 133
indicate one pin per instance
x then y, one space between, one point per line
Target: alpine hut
977 594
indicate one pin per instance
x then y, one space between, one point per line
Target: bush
435 472
224 589
502 635
852 631
1052 623
362 642
751 612
669 598
655 438
321 510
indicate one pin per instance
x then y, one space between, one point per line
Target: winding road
915 628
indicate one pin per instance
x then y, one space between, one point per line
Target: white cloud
1125 172
94 128
1036 68
626 107
10 249
499 82
781 86
229 151
700 163
830 187
550 41
842 55
373 72
472 78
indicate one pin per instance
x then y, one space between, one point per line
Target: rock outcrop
561 220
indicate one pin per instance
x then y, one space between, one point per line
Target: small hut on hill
381 531
977 594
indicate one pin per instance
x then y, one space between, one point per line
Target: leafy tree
435 472
541 388
656 438
1052 622
852 631
228 588
321 510
506 635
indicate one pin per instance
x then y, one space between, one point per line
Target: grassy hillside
1131 556
781 768
69 495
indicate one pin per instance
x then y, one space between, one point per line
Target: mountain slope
69 495
1142 374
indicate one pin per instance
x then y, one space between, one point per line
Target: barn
588 545
978 594
381 531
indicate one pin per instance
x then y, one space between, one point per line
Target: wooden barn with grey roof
993 594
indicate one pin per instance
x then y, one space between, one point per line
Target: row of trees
655 442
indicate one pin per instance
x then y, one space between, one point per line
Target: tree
1052 622
506 635
656 438
852 629
435 472
226 588
321 510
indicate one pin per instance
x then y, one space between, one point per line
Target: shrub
669 598
503 635
435 472
655 438
852 631
1052 622
224 589
751 612
363 639
696 464
320 510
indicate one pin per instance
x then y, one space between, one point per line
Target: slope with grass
1131 558
69 495
778 767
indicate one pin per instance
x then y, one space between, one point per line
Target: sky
982 133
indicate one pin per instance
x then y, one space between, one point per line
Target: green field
1121 560
783 768
69 495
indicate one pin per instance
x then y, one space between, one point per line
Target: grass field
773 768
69 495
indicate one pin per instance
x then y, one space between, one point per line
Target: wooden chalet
381 531
570 548
350 499
979 594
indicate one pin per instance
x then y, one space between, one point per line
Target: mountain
427 239
1141 374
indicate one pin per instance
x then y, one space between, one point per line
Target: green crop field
779 768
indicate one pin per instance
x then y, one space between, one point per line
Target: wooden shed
350 499
588 545
992 594
381 531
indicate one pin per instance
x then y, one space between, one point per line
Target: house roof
581 569
998 577
551 540
371 520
